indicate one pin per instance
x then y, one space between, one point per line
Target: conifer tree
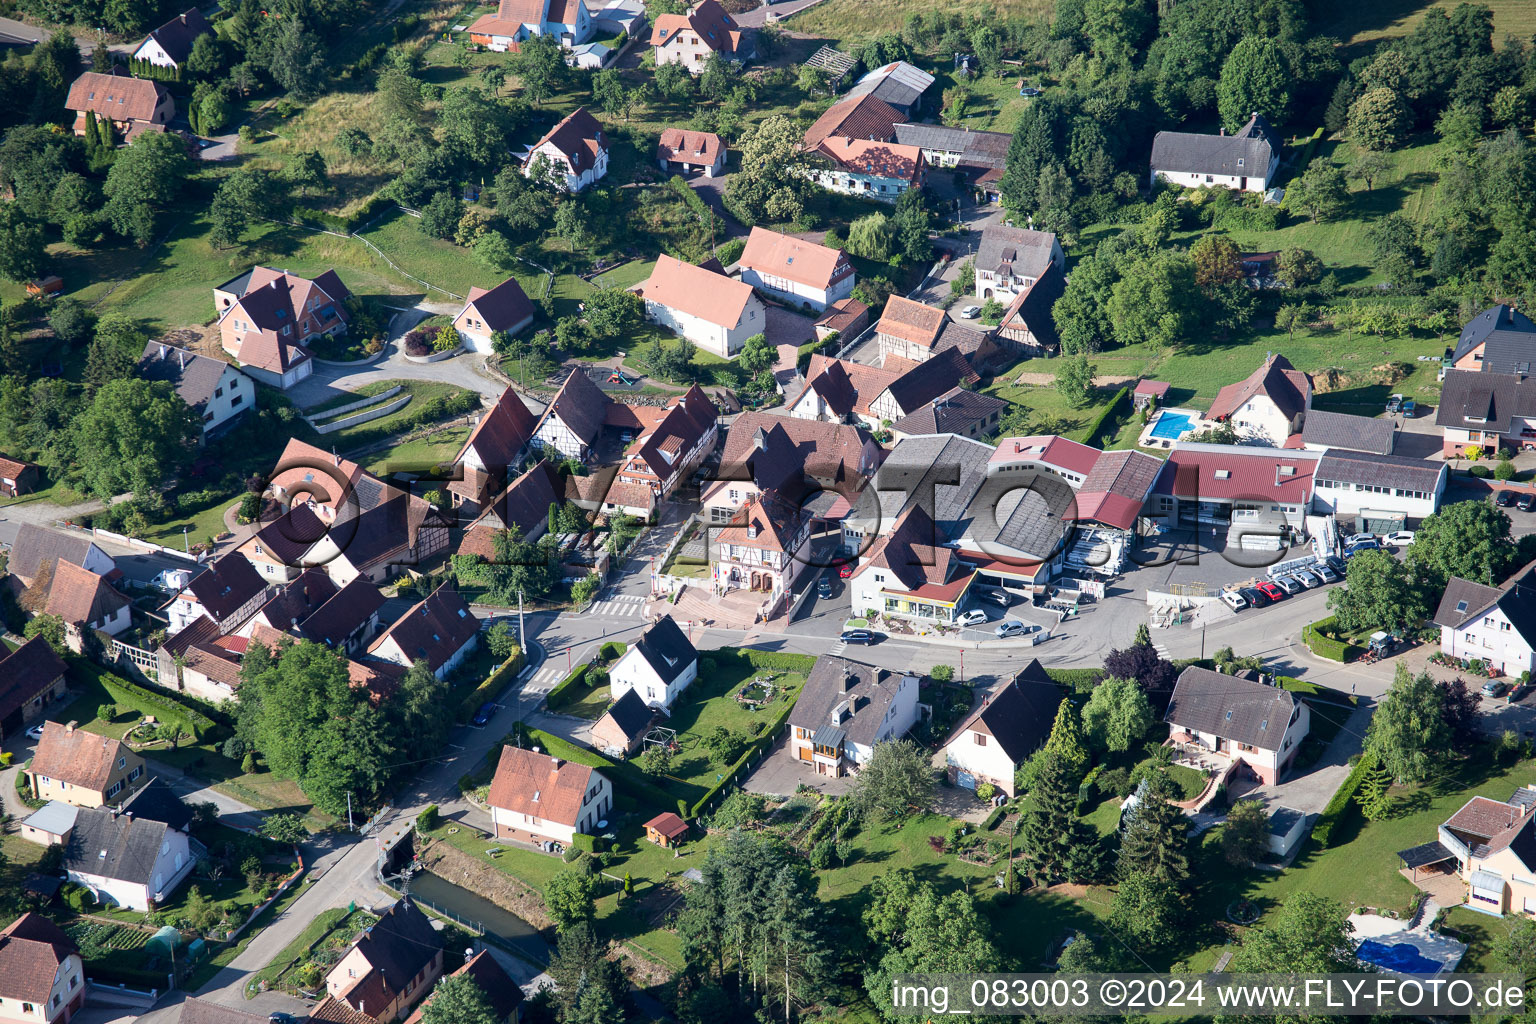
1156 837
1057 845
1067 741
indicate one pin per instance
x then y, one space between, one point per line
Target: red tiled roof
880 159
433 629
1113 491
1277 379
668 824
1050 449
684 145
1154 388
794 259
539 785
118 97
79 595
1272 474
911 321
75 756
859 117
710 296
578 137
714 27
32 949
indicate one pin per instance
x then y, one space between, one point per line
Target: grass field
1363 23
851 21
435 448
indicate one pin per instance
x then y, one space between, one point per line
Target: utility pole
349 811
522 640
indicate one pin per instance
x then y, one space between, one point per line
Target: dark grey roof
937 374
1424 855
1397 471
976 149
1463 601
114 845
1255 144
238 284
1034 308
1027 251
666 649
954 412
941 472
630 714
1019 715
344 613
400 944
1234 709
157 803
1484 400
1021 515
1508 338
1341 430
966 340
1283 819
195 377
900 84
846 695
36 545
829 736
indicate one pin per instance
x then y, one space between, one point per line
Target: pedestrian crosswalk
1162 652
625 606
546 677
837 649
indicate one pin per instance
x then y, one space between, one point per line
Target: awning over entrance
1425 855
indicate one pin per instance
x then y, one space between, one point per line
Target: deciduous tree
1408 733
895 781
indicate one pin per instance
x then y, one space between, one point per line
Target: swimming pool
1401 957
1170 425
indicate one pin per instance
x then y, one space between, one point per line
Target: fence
361 403
136 543
362 417
138 656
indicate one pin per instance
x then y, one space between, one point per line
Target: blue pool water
1402 957
1170 425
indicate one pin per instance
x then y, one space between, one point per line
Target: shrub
233 748
1344 803
1479 470
941 673
106 712
1504 471
1116 781
248 765
428 819
822 854
986 791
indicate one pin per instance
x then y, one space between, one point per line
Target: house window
133 775
117 787
218 392
122 763
237 400
981 738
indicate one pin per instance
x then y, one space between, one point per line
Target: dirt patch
500 888
1334 379
1050 378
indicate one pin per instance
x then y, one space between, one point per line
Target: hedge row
774 661
1322 646
990 821
558 696
729 252
492 685
125 692
763 740
1077 680
1091 434
1343 805
335 222
1312 691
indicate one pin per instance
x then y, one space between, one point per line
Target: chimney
163 351
1511 312
335 456
181 354
555 763
70 727
850 679
1223 131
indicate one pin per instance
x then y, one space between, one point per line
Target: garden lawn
846 22
438 447
421 392
708 704
1363 23
201 525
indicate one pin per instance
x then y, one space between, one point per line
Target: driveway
758 17
781 774
1310 789
330 380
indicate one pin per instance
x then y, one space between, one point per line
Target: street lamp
184 545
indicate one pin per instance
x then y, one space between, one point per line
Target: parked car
282 1018
1290 584
857 636
1395 403
970 312
1410 408
824 587
484 715
1494 688
974 617
844 571
1399 539
1234 600
1504 499
1255 597
36 732
1527 502
1309 579
1358 538
1335 563
1001 598
1364 545
1327 574
1012 627
1270 591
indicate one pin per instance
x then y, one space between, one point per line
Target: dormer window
1223 474
1239 161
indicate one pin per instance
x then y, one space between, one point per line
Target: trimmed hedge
335 222
492 685
1096 425
612 650
126 692
776 662
990 821
761 742
1313 691
1343 805
583 842
729 252
1322 646
1076 680
557 697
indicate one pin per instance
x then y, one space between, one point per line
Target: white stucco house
487 311
797 271
873 170
658 666
170 45
439 629
1012 722
1348 483
1239 719
1267 407
1496 625
124 859
1245 161
577 150
845 709
515 20
215 390
715 312
1010 260
536 798
42 978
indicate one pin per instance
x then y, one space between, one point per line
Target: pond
442 895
